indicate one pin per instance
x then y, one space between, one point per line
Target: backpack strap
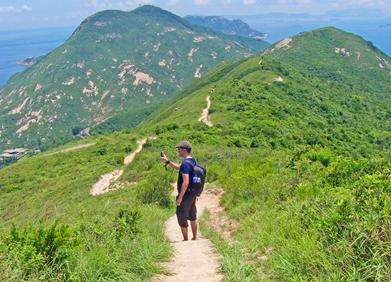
191 163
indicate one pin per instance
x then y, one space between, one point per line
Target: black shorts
187 210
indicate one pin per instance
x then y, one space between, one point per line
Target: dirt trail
205 113
129 158
108 180
105 181
71 149
193 260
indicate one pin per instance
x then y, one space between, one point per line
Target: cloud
115 4
173 2
15 9
201 2
248 2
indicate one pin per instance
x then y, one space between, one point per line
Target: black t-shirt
186 168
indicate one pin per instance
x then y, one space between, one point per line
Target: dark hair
187 149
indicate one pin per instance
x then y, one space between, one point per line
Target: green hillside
303 157
110 74
226 26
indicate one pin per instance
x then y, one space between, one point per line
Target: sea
18 45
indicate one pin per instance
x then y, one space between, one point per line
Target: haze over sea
18 45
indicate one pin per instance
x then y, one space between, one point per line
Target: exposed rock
197 73
169 29
156 46
80 65
28 62
198 39
19 108
191 53
88 73
285 43
342 51
70 81
142 77
100 23
25 122
37 87
90 89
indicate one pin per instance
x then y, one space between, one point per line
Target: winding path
193 260
129 158
205 118
107 180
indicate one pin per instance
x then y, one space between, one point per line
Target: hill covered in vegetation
226 26
298 140
111 73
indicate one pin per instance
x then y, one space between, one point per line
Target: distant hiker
191 179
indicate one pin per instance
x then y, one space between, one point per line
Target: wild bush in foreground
155 190
41 251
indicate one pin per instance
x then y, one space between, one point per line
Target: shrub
127 223
101 151
324 156
40 249
155 191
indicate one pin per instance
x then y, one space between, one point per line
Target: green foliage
127 223
316 226
155 190
39 249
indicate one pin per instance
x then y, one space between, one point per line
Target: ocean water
279 28
19 44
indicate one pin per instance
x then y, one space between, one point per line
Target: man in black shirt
186 199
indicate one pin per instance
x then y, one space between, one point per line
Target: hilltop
111 73
298 139
226 26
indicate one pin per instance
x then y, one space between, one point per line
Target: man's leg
193 218
184 233
182 213
193 224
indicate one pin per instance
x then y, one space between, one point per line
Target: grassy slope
304 162
96 67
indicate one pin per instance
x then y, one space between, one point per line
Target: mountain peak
150 9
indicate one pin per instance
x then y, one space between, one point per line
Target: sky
17 14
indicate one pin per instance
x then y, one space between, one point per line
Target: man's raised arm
171 164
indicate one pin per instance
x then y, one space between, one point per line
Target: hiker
186 199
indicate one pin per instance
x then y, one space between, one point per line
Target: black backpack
198 180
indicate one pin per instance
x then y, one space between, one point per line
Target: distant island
385 25
28 62
222 25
